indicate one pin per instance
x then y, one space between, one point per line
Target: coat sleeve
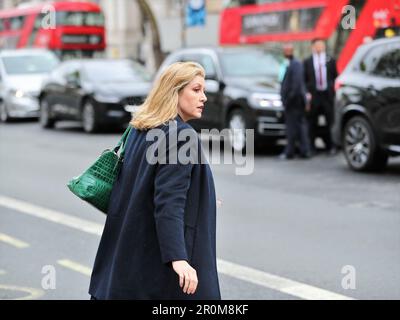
308 68
172 182
294 83
296 78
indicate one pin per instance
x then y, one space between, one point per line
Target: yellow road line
33 294
13 241
75 266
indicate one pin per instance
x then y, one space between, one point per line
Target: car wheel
4 117
360 146
45 118
237 130
89 119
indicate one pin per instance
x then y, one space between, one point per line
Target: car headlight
266 100
17 93
105 98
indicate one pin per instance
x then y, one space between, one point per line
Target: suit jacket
158 213
331 74
293 92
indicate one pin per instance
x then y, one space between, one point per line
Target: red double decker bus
70 29
343 24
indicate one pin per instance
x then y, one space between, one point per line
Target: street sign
195 13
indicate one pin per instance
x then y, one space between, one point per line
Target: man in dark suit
320 73
293 95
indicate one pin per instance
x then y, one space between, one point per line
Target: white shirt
321 82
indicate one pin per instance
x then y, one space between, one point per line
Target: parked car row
242 90
97 92
242 86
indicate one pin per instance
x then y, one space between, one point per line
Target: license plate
321 121
130 108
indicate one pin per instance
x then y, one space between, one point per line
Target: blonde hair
161 104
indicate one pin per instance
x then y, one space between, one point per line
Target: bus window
16 23
237 3
93 19
5 24
37 25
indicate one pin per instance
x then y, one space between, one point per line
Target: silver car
22 72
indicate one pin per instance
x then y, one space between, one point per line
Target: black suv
242 88
367 107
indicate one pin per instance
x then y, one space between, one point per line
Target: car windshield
116 71
251 64
29 64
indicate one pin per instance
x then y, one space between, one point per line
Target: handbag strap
122 142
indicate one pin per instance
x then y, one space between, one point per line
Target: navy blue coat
158 213
293 89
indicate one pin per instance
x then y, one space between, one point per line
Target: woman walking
159 240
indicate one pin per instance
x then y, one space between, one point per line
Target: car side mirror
212 86
211 76
73 81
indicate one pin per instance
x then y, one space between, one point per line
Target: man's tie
320 82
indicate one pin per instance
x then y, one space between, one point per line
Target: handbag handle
122 141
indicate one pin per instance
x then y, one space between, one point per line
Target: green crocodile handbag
95 184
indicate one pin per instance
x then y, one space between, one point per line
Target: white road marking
13 241
277 283
51 215
75 266
261 278
371 204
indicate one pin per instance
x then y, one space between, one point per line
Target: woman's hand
187 276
